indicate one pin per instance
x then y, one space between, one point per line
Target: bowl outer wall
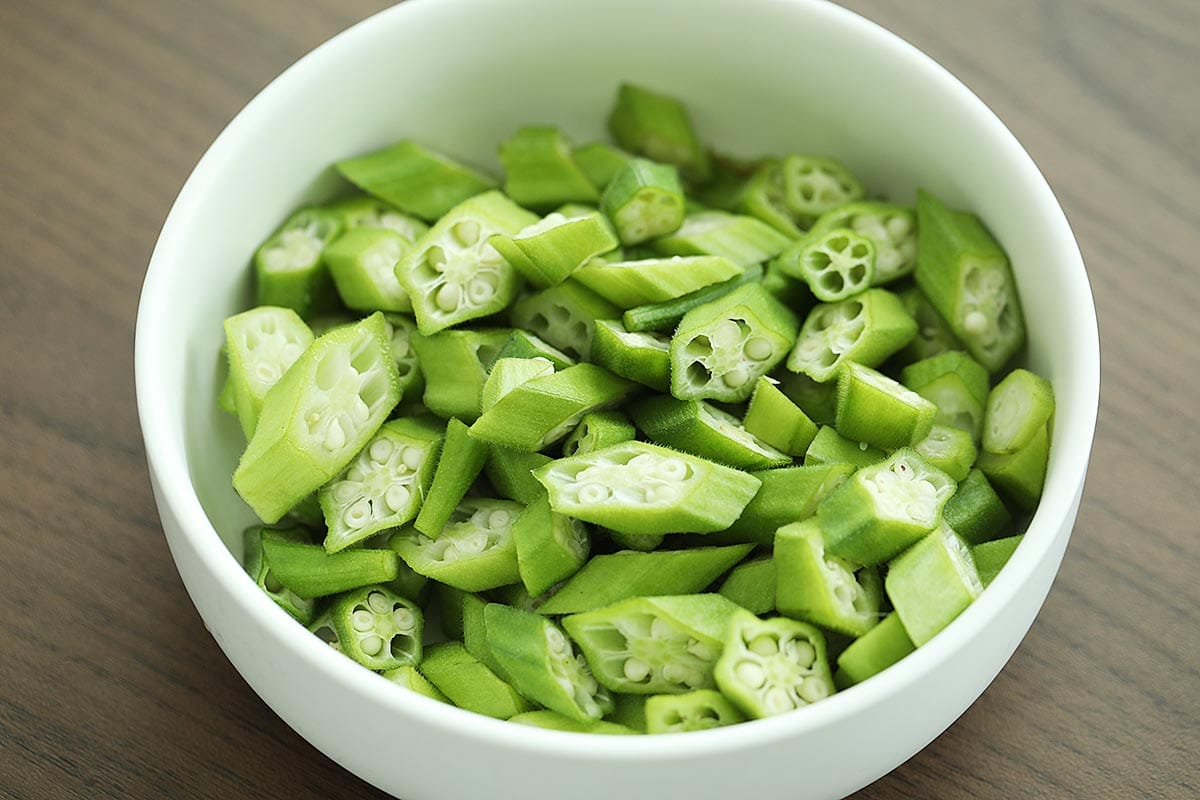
734 66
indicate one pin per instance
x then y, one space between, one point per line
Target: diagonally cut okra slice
772 666
787 495
415 179
952 450
261 344
817 400
550 547
836 263
873 652
362 263
552 720
597 430
742 239
642 356
990 557
310 571
475 633
408 677
539 171
665 316
322 628
362 211
455 365
700 710
956 383
658 127
654 280
458 466
474 551
825 590
511 473
931 583
508 374
290 268
751 585
830 447
636 487
564 315
975 512
600 161
892 229
256 564
644 201
866 328
522 344
776 420
762 197
875 409
551 249
813 185
377 627
701 429
469 683
1019 406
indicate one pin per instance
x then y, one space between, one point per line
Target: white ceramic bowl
759 76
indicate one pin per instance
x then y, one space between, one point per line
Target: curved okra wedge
384 485
400 331
830 447
564 315
597 430
511 473
702 429
700 710
362 211
261 344
636 487
975 512
547 252
320 414
455 365
990 557
469 683
873 652
259 568
773 418
539 171
415 179
762 197
654 645
658 127
835 263
931 583
956 383
508 374
642 356
813 185
644 201
408 677
890 228
600 162
742 239
751 585
458 466
1020 476
377 627
1019 406
289 267
952 450
550 547
787 495
473 552
309 571
825 590
362 263
653 280
772 666
552 720
522 344
866 329
873 408
665 316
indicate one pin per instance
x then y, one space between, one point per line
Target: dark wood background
111 688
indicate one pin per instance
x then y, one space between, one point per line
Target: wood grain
111 687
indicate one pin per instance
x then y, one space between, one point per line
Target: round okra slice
742 239
362 263
289 268
400 330
835 264
762 197
552 720
384 485
873 408
303 610
551 249
702 429
890 228
1019 406
813 185
825 590
377 627
951 450
261 344
539 170
475 551
769 667
956 383
721 348
367 212
550 547
597 430
931 583
565 316
642 356
873 652
632 283
700 710
866 328
644 201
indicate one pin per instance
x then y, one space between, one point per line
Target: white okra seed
764 645
466 232
447 297
397 497
778 700
404 619
803 653
412 457
661 629
362 620
344 491
735 377
751 674
371 645
758 348
812 689
498 518
636 670
335 436
380 450
593 493
358 515
379 603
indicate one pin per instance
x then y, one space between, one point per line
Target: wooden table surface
110 687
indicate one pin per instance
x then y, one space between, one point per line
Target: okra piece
666 316
742 239
508 374
882 509
362 263
813 185
890 228
455 365
641 542
453 274
473 552
873 652
644 201
975 511
772 666
762 197
469 683
835 264
400 331
539 171
952 450
378 628
450 603
817 400
600 162
460 463
552 720
990 557
308 512
787 495
564 315
362 211
866 328
721 348
547 252
407 583
1019 406
608 579
875 409
934 336
261 344
957 384
751 585
965 274
816 587
384 485
658 127
289 267
475 634
415 179
637 487
729 177
544 410
654 645
320 414
309 571
225 399
322 628
259 568
627 284
642 356
517 596
830 447
704 430
550 547
776 420
630 710
408 677
1019 476
522 344
511 473
597 430
931 583
695 711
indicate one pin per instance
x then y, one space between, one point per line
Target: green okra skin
628 284
400 330
260 344
775 419
629 710
550 547
511 473
608 579
452 274
975 511
289 267
462 459
455 365
565 316
965 274
545 409
508 374
1019 476
362 211
817 400
308 512
769 667
636 541
1018 407
875 409
787 495
873 652
700 710
931 583
866 329
642 356
257 564
550 250
658 127
644 201
654 645
635 487
721 348
415 179
891 229
825 590
665 316
362 263
934 335
407 583
813 185
450 603
318 416
957 384
321 626
762 197
522 344
702 429
539 171
377 627
225 399
882 509
600 162
469 683
742 239
792 292
990 557
475 634
597 430
836 263
952 450
830 447
474 551
552 720
751 585
730 175
309 571
517 596
408 677
384 485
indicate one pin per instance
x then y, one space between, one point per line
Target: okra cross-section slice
453 274
890 228
551 249
384 485
700 710
813 185
873 408
873 652
362 263
597 430
884 508
769 667
565 316
1018 407
636 487
261 344
776 420
866 328
956 383
378 628
475 551
654 645
539 171
362 211
835 264
702 429
289 267
310 571
931 583
743 240
259 568
319 415
787 495
823 589
721 348
455 365
644 201
415 179
653 280
469 683
550 547
658 127
642 356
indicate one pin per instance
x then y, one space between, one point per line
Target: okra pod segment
956 383
934 335
261 344
990 557
642 356
830 447
508 374
817 400
362 263
665 316
522 344
289 267
552 720
975 511
259 568
875 409
769 667
310 571
873 652
931 583
825 590
600 161
751 585
762 197
400 330
415 179
539 171
460 463
1020 476
597 430
836 263
511 473
742 239
469 683
550 547
787 495
455 365
890 228
952 450
700 710
813 185
627 284
362 211
408 677
644 201
702 429
565 316
658 127
474 551
866 328
1018 407
378 628
547 252
776 420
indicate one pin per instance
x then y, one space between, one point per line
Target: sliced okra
473 552
362 211
522 344
641 542
658 127
475 633
776 420
836 263
550 547
952 450
320 414
975 511
539 171
261 344
408 677
990 557
458 466
511 473
742 239
1018 407
455 366
730 174
751 585
769 667
866 328
762 197
310 571
629 710
787 495
931 583
600 162
450 614
702 429
415 179
875 409
517 596
792 292
642 356
665 316
813 185
627 284
362 263
400 330
301 609
644 201
830 447
816 587
934 335
882 509
508 374
597 430
322 627
225 399
637 487
817 400
956 383
700 710
547 252
552 720
308 512
1020 476
873 652
469 683
378 628
564 315
407 583
890 228
290 267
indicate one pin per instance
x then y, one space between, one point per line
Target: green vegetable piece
636 487
517 596
522 344
934 336
322 628
975 511
550 547
474 551
377 627
665 316
965 274
1019 476
721 348
565 316
875 409
450 603
776 420
597 430
539 171
813 185
363 265
406 583
873 652
990 557
408 677
817 400
890 228
415 179
511 473
469 683
309 571
654 645
730 175
400 331
630 710
787 495
951 450
476 637
634 283
1019 406
751 585
452 274
658 127
289 268
322 412
508 374
552 720
554 247
458 466
701 429
608 579
600 161
866 328
742 239
762 197
642 356
362 211
261 344
643 201
695 711
225 399
835 264
931 583
882 509
772 666
261 572
455 365
825 590
830 447
308 512
956 383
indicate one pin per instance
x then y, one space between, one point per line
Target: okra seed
778 700
803 653
557 642
435 257
450 554
764 646
672 469
813 689
591 493
380 450
447 297
898 226
397 497
661 629
481 290
379 603
371 645
344 491
473 544
412 457
357 515
726 333
675 673
266 372
975 323
403 618
701 650
751 674
466 232
362 620
758 349
735 377
499 518
636 670
335 437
